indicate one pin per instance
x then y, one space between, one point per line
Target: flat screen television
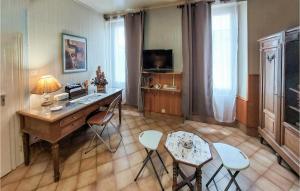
158 60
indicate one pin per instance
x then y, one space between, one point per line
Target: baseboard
154 114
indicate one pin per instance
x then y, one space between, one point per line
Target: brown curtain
134 37
197 61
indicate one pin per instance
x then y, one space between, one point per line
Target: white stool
150 140
233 160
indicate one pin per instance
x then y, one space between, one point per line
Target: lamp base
47 103
46 100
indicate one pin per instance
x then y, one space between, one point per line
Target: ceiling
112 6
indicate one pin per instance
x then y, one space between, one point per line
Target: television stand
162 92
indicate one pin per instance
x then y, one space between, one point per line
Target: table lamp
46 84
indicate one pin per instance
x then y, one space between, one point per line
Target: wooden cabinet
270 70
279 95
162 93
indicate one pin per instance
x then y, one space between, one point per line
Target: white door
12 96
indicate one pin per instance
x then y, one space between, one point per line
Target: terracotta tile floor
102 170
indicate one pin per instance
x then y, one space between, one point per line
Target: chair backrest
113 105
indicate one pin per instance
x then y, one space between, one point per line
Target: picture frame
74 53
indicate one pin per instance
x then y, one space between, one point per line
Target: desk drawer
70 119
107 101
73 126
90 109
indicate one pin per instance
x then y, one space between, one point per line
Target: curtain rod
214 1
117 14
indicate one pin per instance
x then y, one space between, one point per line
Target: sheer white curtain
224 51
115 54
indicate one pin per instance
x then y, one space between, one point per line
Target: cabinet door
271 84
12 83
291 95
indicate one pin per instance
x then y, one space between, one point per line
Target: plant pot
101 88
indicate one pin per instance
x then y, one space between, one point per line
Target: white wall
163 31
266 17
40 24
46 21
242 50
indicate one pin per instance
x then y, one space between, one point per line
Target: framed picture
74 53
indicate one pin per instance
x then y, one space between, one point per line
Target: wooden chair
99 122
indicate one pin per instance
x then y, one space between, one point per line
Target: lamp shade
46 84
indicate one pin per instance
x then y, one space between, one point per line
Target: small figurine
86 85
100 80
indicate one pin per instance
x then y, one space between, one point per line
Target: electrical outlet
163 110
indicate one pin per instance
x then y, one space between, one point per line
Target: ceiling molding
124 12
85 5
121 7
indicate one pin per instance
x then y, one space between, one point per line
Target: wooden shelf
292 127
294 108
294 90
167 73
162 89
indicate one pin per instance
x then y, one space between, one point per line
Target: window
224 56
222 47
224 33
115 53
118 51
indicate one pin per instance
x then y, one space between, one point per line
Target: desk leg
198 183
55 158
26 149
175 175
120 112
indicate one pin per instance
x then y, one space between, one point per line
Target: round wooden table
196 157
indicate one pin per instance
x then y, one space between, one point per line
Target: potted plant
100 80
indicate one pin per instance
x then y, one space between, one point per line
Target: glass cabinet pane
292 86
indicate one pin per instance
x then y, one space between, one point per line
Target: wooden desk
54 126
